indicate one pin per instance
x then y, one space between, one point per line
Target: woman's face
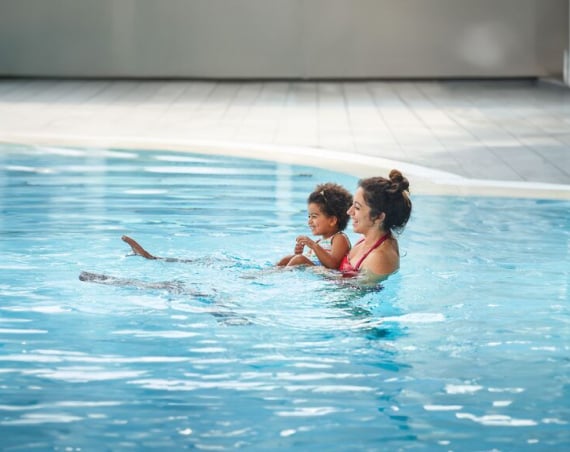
359 213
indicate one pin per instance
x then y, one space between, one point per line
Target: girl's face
359 213
319 222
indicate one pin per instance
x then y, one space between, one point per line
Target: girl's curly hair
334 200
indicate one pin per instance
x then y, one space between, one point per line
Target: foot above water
137 248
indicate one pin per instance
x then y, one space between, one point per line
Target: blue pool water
466 348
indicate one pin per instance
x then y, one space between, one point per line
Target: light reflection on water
466 348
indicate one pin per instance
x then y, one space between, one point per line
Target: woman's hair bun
399 180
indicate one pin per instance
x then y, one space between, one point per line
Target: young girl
328 217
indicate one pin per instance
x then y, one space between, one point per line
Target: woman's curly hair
389 196
334 200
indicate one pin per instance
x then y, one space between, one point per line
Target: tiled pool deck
483 135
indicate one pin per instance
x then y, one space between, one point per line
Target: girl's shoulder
343 237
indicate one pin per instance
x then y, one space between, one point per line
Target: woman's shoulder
384 259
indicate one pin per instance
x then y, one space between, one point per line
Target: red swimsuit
348 269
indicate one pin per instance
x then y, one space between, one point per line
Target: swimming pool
466 348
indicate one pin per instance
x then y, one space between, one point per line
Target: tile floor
495 130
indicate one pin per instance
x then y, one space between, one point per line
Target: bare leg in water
171 286
137 249
218 309
140 251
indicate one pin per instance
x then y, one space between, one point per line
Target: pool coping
423 180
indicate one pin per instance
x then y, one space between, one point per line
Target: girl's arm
329 259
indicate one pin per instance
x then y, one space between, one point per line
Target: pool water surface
465 348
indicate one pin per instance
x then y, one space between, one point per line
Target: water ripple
497 420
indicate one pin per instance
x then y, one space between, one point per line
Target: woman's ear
380 218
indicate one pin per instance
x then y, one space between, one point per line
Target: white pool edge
422 180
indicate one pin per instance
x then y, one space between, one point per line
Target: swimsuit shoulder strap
372 248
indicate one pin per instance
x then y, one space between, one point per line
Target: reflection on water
466 348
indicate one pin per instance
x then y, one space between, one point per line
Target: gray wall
283 38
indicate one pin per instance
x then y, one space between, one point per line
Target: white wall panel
283 38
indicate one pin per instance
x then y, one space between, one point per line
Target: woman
381 207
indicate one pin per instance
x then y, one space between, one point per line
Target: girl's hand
300 244
303 240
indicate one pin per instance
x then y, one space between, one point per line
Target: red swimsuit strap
379 242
